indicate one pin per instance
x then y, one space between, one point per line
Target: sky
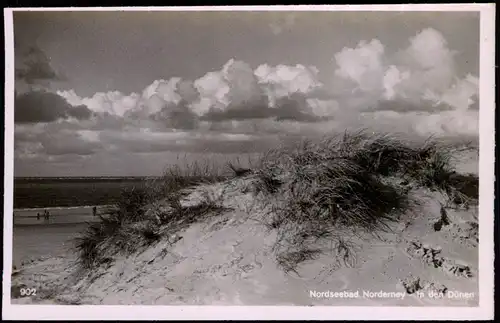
128 93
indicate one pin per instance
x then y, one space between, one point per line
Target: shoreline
57 224
60 215
61 207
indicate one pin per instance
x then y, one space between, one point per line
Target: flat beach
34 239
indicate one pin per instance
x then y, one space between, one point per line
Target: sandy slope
227 260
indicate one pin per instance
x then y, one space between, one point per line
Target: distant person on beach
38 216
94 211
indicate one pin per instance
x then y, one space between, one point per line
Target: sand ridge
228 260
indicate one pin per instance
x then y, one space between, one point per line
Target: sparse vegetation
238 171
315 190
351 181
175 178
134 222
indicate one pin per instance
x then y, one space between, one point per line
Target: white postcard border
105 312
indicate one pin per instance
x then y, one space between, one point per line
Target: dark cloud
254 111
69 143
200 145
292 107
41 106
107 121
139 142
187 91
209 142
80 112
321 93
255 145
176 116
33 65
20 137
409 106
55 139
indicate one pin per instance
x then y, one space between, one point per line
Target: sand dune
431 258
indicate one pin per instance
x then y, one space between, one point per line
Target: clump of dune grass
133 223
238 171
428 164
183 217
288 261
348 181
176 178
318 199
122 230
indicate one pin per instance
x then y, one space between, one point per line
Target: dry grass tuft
349 181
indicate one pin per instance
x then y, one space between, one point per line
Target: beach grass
316 190
133 222
358 180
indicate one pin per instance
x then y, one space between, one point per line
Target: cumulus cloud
42 106
187 91
391 78
113 102
450 124
231 93
162 104
463 94
283 80
429 50
164 89
213 91
422 74
243 85
424 69
176 116
169 103
363 65
236 92
282 92
415 90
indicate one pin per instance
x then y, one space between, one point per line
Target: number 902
28 291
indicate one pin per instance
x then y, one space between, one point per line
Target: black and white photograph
323 159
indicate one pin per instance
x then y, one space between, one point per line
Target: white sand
227 260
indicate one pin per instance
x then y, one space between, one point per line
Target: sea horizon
41 208
84 177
